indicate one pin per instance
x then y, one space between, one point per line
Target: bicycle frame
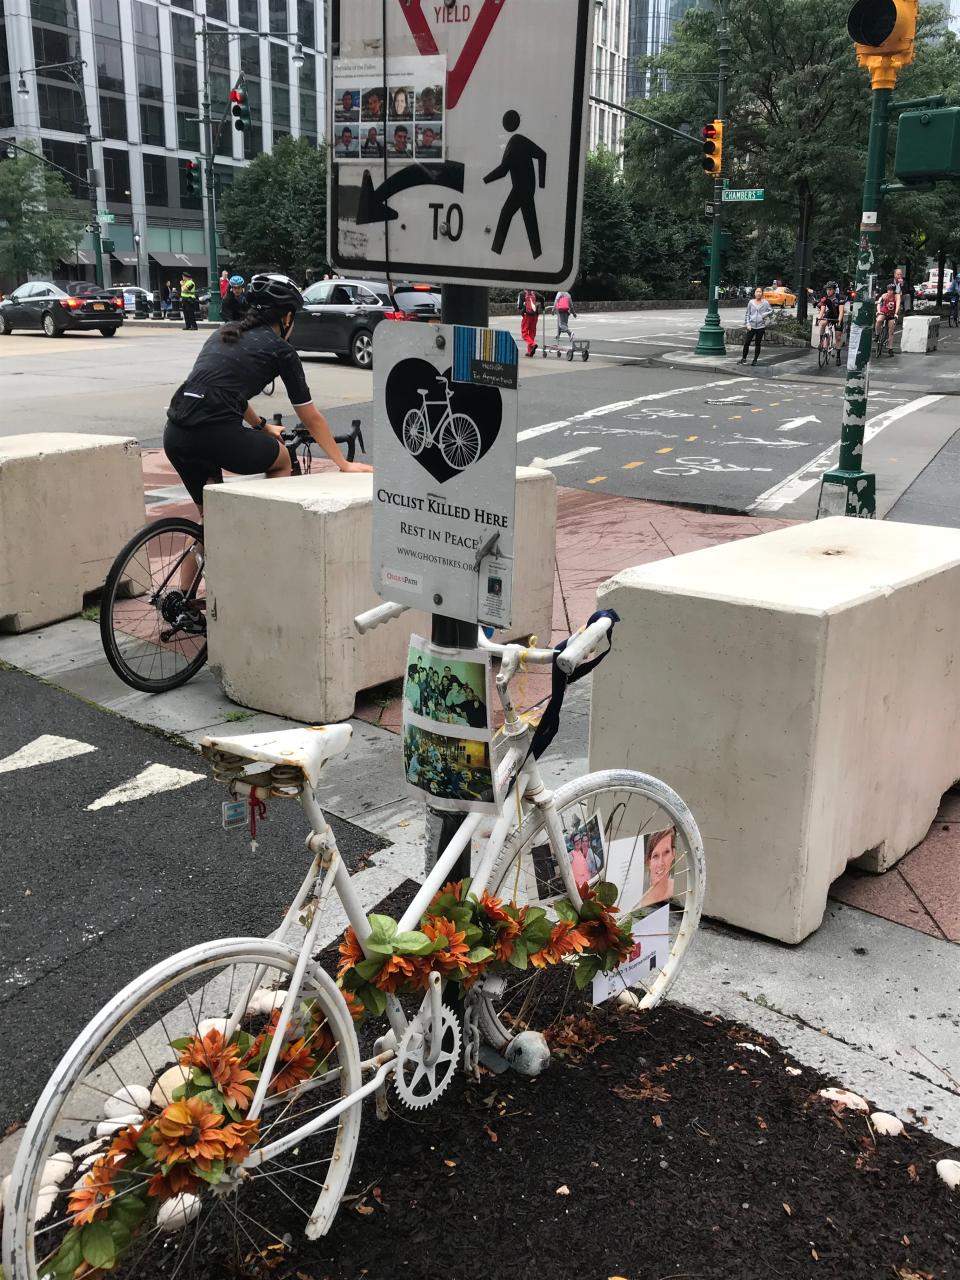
445 417
328 873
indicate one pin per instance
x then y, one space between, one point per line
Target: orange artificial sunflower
508 929
399 972
453 956
350 950
454 888
356 1008
296 1063
91 1200
189 1130
173 1183
565 937
125 1140
223 1062
239 1137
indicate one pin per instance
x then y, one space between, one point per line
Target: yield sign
459 73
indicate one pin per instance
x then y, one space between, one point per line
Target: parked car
341 315
41 305
780 296
136 299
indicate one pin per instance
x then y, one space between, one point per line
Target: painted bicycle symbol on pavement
695 465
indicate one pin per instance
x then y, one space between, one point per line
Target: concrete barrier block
68 503
288 568
920 334
801 690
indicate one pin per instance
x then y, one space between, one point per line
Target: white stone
949 1171
89 1149
852 1101
107 1127
161 1095
46 1199
793 1071
528 1053
920 334
175 1214
302 606
130 1097
801 691
56 1169
754 1048
886 1124
264 1000
4 1188
68 503
206 1025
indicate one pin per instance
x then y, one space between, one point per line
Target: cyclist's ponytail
254 319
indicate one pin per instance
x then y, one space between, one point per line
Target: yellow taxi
778 295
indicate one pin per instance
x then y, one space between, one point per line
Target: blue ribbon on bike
546 730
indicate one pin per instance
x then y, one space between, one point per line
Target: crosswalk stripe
149 782
46 749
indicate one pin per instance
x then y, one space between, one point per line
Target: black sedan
341 315
43 306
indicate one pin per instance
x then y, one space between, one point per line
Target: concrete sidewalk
871 997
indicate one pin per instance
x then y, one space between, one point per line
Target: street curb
169 324
683 359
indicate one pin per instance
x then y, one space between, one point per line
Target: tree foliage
38 222
798 115
275 211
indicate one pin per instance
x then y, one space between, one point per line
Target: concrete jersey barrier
801 690
288 568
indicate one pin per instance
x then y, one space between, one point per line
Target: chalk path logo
447 426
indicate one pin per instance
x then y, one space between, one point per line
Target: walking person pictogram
526 165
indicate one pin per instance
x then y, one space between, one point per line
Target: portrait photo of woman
659 854
401 103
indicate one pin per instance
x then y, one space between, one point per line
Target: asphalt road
93 896
636 420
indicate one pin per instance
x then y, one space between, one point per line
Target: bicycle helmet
272 291
831 284
235 280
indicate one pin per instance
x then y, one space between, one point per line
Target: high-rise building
651 29
608 76
146 64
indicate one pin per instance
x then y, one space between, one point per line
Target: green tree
608 239
38 222
798 114
275 211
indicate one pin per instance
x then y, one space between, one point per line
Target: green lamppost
883 32
710 337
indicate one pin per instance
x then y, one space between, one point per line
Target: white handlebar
365 622
583 646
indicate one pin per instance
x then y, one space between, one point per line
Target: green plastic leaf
382 928
69 1256
518 956
368 969
379 947
537 935
97 1245
534 914
214 1097
566 911
413 943
120 1232
591 910
372 998
471 934
179 1092
478 954
212 1175
202 1079
607 892
129 1207
610 960
147 1148
181 1043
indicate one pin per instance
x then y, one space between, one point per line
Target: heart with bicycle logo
447 426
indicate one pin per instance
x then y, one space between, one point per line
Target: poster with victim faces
397 116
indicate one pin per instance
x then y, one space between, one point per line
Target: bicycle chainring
417 1084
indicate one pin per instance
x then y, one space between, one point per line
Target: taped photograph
446 768
446 690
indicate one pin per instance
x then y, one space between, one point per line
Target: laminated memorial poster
448 729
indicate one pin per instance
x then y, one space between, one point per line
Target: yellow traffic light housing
713 148
883 32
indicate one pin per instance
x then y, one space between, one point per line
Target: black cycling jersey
233 307
831 305
233 372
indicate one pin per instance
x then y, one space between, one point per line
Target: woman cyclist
235 304
205 432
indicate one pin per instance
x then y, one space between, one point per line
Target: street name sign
734 195
445 410
456 147
104 215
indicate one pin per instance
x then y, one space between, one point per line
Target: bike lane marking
617 406
804 478
149 782
46 749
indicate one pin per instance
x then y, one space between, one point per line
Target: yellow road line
690 439
628 466
669 450
596 479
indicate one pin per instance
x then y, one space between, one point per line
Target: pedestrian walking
756 320
166 299
563 310
224 284
529 304
188 300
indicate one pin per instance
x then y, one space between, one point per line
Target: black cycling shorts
202 452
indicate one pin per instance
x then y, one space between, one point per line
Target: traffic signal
192 183
713 148
239 108
883 32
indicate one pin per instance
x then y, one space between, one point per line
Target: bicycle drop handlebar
299 435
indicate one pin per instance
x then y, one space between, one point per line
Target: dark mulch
684 1156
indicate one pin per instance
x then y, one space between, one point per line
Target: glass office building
141 87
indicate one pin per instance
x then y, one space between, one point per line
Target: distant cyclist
205 433
831 312
888 308
952 296
235 304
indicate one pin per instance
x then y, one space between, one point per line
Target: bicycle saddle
307 749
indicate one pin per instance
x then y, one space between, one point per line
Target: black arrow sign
373 205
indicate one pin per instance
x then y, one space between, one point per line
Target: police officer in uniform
188 300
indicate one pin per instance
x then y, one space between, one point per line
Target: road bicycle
457 435
882 340
953 320
153 623
212 1108
828 345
